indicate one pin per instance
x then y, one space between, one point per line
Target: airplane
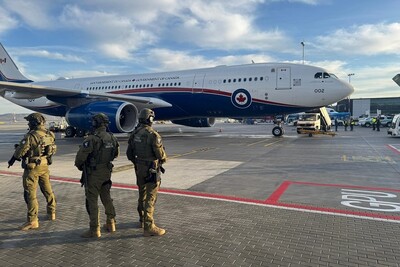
193 97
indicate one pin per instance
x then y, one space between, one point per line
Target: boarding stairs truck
394 128
315 123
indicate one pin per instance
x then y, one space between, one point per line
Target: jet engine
196 122
123 116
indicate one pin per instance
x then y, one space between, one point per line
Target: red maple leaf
241 98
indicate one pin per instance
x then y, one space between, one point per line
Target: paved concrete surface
233 195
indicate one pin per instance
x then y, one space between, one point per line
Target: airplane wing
29 90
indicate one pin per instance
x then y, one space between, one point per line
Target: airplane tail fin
8 70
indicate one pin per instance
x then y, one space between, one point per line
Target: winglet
9 72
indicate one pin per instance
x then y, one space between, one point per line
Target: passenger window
255 79
318 75
250 79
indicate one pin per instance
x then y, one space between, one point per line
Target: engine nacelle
196 122
123 116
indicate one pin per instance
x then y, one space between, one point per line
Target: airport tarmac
232 195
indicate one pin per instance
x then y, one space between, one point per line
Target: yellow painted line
255 143
192 152
270 144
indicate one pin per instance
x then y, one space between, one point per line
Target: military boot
110 226
91 233
154 231
30 225
51 216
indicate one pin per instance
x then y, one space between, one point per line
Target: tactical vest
106 148
142 146
45 144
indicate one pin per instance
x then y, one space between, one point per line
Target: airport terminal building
371 106
366 106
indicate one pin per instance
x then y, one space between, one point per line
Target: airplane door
283 79
198 83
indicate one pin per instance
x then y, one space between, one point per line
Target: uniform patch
86 144
23 142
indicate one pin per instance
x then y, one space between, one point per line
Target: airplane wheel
70 131
277 131
80 132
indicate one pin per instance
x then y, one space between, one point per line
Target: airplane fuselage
251 90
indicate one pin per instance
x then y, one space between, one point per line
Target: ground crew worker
373 121
36 150
146 151
352 123
94 159
378 123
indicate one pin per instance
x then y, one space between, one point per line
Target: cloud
35 14
50 55
169 60
368 39
6 22
116 36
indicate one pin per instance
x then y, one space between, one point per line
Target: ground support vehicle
315 123
394 129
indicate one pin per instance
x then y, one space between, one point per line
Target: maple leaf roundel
241 98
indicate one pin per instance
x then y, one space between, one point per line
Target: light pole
350 74
302 43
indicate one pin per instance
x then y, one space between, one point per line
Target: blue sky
49 39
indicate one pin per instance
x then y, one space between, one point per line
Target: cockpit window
318 75
333 75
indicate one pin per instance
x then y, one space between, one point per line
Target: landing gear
278 130
71 131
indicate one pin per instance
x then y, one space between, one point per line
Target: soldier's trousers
40 175
99 184
147 196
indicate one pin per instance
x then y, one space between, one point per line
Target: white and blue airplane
188 97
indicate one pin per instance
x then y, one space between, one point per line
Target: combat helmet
100 119
146 116
35 119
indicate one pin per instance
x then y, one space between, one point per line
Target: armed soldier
94 160
146 151
36 150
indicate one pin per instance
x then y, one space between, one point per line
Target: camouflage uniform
94 160
35 150
147 153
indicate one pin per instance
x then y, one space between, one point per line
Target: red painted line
276 195
271 201
333 210
393 149
346 186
